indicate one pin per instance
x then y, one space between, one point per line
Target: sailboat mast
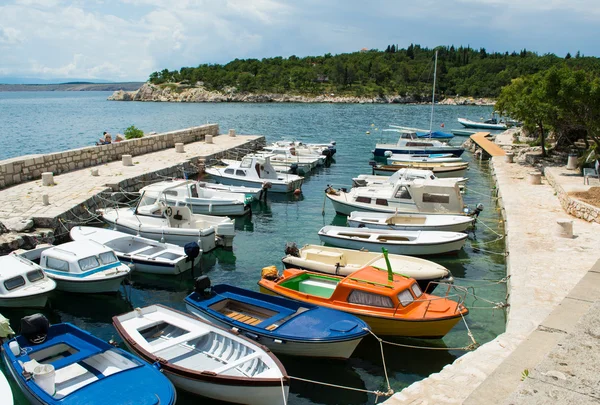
433 94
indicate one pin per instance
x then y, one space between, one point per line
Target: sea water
42 122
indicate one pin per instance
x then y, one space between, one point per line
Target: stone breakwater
26 168
572 206
181 94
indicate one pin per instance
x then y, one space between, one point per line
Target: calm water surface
52 121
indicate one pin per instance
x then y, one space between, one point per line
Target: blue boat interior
79 360
275 316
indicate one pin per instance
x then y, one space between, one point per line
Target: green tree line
562 99
405 72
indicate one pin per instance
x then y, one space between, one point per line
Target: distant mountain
73 86
35 80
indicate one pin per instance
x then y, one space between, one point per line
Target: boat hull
439 172
207 241
336 350
480 125
151 267
385 326
276 187
457 226
380 150
421 249
31 301
218 209
251 395
84 286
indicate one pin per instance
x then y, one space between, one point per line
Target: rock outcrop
199 94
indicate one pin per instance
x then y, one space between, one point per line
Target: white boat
414 243
409 143
424 196
256 171
23 284
325 149
204 359
200 200
153 219
81 266
410 222
249 192
489 124
427 158
286 163
441 170
288 154
343 262
365 180
146 255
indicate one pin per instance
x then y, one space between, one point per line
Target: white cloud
128 39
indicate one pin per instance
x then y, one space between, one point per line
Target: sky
126 40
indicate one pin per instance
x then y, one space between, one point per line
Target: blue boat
284 326
64 365
435 135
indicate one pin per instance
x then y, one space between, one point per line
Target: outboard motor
202 286
192 251
292 249
478 210
35 328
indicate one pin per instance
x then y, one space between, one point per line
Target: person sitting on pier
105 140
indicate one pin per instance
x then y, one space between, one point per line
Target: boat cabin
254 167
368 286
423 194
79 258
18 273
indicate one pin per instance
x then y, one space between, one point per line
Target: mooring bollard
564 228
47 179
45 199
572 162
127 160
232 132
179 148
509 157
208 139
535 178
95 172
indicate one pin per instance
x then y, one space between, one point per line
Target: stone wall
573 206
15 171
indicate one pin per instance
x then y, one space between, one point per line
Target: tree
568 55
132 132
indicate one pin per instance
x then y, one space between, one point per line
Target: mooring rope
376 393
483 194
381 341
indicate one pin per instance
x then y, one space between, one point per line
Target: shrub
132 132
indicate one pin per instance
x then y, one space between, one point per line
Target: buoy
368 132
297 191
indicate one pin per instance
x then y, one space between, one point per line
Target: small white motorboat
441 170
204 359
23 284
488 124
153 219
410 143
426 158
424 196
200 200
256 171
343 262
82 266
366 180
410 222
288 154
248 192
147 255
414 243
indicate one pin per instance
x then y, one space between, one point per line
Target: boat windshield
405 298
108 258
147 200
371 299
416 290
246 163
88 263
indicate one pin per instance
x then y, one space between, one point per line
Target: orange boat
393 305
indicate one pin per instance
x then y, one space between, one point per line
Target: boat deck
490 147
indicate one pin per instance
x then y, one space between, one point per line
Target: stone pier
77 193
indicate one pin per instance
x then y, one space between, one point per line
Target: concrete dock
77 193
551 340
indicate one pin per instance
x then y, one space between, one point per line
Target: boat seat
236 363
236 316
317 287
178 340
136 252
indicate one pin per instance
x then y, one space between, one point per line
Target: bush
132 132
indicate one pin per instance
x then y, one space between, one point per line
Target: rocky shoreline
176 93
